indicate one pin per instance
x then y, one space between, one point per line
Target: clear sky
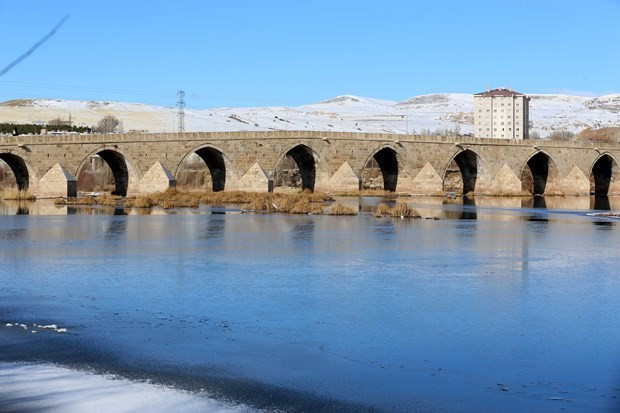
267 52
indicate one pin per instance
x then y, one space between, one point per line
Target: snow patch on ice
45 387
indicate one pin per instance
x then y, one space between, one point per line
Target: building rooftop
500 91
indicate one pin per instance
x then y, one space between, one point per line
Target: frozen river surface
506 310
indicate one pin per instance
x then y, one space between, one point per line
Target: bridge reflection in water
536 208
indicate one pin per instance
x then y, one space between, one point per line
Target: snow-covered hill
419 114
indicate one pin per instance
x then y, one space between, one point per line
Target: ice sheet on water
60 389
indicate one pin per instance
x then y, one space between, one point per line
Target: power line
34 46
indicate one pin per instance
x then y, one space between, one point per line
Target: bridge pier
56 183
254 180
345 180
157 179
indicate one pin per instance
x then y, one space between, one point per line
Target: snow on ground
347 113
45 387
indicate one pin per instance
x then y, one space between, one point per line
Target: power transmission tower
181 112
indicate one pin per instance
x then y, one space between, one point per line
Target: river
487 305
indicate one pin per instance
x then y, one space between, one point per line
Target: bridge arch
22 173
218 165
125 174
538 173
385 163
303 158
464 173
604 175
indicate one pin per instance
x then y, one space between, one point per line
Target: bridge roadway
328 161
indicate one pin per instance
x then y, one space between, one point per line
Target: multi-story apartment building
501 114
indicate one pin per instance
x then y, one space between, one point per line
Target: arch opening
462 173
105 171
381 171
536 174
204 168
296 169
13 172
604 176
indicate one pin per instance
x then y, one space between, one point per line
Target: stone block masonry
327 161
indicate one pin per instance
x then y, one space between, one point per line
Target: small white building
501 114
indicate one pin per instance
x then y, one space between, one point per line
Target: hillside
419 114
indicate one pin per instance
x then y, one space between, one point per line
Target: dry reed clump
107 200
315 196
383 210
87 200
262 204
143 201
340 209
15 194
295 203
399 210
304 206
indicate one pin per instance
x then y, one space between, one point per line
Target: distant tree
534 135
561 135
108 124
57 122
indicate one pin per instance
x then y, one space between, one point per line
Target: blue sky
265 53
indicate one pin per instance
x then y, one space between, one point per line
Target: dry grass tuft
15 194
143 201
340 209
383 210
108 200
400 210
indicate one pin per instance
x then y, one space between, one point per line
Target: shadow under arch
463 173
19 168
123 172
381 169
218 166
297 166
537 172
604 175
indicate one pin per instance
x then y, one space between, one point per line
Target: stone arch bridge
327 161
